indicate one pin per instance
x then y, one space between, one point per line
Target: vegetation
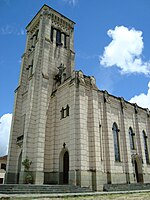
28 177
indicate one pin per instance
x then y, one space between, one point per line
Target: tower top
55 14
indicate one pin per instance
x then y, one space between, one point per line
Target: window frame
3 166
145 142
52 34
116 142
58 37
131 138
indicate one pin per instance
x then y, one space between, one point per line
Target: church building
68 130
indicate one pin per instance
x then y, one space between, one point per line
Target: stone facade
72 132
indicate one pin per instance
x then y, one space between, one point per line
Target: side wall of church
125 116
88 136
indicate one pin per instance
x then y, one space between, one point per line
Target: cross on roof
64 145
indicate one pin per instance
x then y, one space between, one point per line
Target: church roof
3 157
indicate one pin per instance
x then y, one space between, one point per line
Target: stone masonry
72 132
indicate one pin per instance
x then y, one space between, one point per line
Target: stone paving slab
123 195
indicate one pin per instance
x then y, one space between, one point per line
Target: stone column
14 150
138 145
148 131
105 121
54 36
62 39
124 136
94 141
42 106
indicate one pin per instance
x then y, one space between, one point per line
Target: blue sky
108 35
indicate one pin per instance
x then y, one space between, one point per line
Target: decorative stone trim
47 39
45 76
136 108
16 90
106 97
81 77
123 104
45 12
61 22
148 112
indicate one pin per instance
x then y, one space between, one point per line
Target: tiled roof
3 157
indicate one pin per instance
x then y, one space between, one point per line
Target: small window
52 33
67 110
30 69
58 37
65 40
146 147
131 137
3 166
36 34
64 112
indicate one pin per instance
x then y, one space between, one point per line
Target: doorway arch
19 166
137 161
64 167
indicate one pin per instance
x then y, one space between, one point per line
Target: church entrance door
19 166
138 172
66 168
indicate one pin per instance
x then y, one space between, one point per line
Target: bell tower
48 60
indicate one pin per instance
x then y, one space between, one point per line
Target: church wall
63 111
144 126
91 173
116 168
87 135
125 166
61 130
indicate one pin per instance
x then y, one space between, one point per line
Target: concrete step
40 189
126 187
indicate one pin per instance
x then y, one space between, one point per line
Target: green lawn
133 196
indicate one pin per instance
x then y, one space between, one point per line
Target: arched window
67 110
58 37
116 142
131 137
52 33
145 147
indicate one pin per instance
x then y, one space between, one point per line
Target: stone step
40 189
126 187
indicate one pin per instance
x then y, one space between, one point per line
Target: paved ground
145 195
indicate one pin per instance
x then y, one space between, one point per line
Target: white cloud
71 2
125 51
142 99
11 30
5 124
